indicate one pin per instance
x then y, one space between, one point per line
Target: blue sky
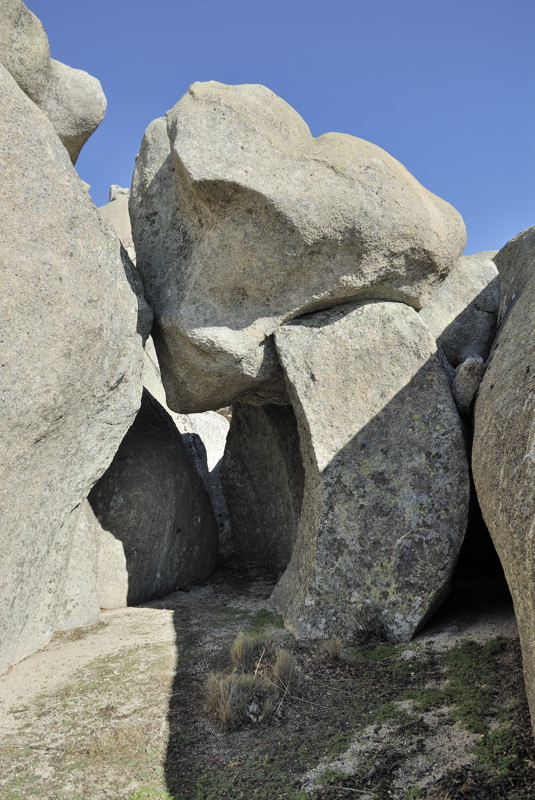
445 87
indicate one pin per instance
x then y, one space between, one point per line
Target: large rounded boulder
242 220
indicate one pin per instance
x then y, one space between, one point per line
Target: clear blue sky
446 87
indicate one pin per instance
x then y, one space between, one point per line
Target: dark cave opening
478 586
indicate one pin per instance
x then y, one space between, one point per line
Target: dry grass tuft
237 699
284 670
256 688
245 651
332 648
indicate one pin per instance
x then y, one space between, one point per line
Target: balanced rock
386 489
152 500
462 313
71 364
263 478
242 220
75 104
503 457
72 99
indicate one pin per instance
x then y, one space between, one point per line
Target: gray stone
115 213
77 597
462 313
466 381
74 102
386 477
204 437
242 220
71 363
516 265
24 49
503 457
152 500
262 476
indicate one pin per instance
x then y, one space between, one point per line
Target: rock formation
73 100
262 478
203 435
386 492
152 500
237 211
71 364
115 213
504 440
515 265
462 312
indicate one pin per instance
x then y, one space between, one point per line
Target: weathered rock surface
72 99
74 102
204 436
462 313
516 265
71 363
503 457
386 478
24 49
152 500
115 213
465 384
77 597
242 220
263 477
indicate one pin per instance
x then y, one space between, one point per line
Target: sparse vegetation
255 690
133 724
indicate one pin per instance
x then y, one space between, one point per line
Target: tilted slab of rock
386 477
463 311
516 264
153 501
242 220
71 364
72 99
503 457
262 476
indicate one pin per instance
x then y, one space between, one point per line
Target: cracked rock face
386 488
242 220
